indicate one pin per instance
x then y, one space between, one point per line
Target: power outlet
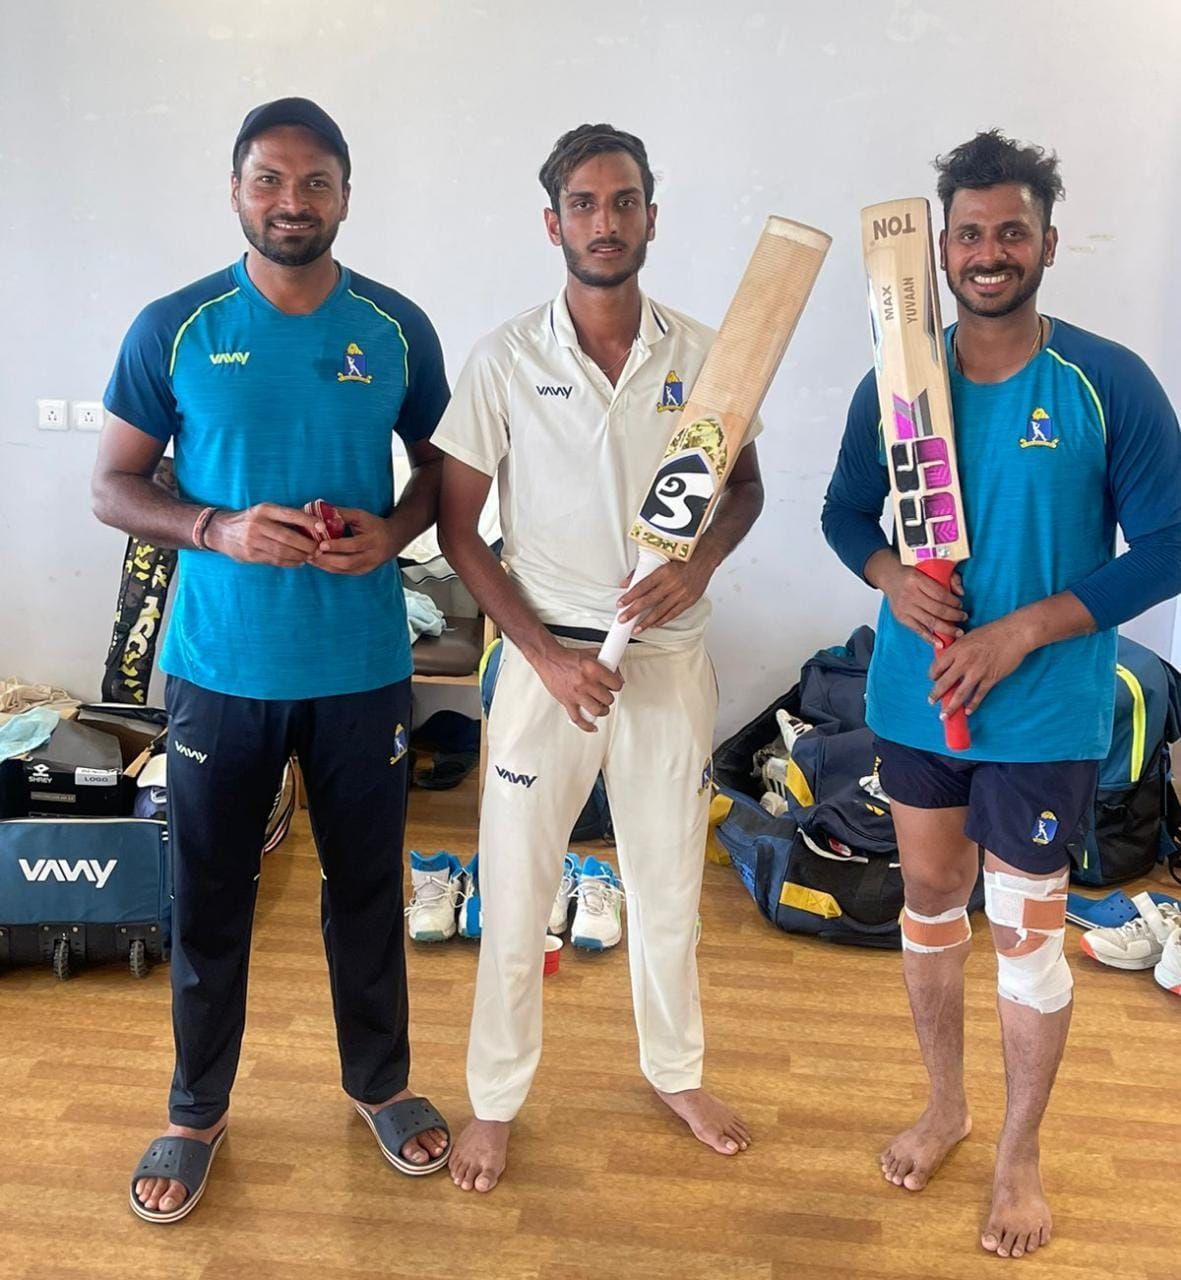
51 415
86 415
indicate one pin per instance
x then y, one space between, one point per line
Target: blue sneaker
559 916
436 886
598 918
471 911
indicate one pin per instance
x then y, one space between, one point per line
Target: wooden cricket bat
726 396
915 400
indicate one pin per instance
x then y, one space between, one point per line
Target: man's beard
583 268
1026 290
281 251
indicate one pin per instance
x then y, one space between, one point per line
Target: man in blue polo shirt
1061 436
279 381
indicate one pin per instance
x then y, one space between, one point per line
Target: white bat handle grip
611 654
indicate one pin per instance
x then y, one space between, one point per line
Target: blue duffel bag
827 864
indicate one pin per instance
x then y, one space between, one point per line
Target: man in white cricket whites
570 407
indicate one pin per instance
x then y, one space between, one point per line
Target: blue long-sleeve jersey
1051 460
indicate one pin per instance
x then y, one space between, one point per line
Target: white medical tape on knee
928 935
1034 972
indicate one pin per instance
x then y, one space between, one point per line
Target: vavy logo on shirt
555 391
228 357
1039 430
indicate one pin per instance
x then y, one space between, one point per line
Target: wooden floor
812 1043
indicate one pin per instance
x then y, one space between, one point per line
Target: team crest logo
1045 828
401 743
672 395
707 777
352 368
1039 430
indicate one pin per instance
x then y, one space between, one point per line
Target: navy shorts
1024 813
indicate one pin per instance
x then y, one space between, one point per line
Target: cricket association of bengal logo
672 394
1039 430
352 367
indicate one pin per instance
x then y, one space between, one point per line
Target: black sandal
394 1125
187 1160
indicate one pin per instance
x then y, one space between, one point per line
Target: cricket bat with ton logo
733 381
915 400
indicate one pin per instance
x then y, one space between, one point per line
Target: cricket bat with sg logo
914 397
729 389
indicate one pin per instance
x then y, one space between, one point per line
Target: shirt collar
653 325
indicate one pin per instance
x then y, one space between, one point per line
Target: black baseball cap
300 111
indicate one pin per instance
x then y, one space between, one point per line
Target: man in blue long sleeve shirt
1061 436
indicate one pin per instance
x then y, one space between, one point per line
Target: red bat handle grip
955 727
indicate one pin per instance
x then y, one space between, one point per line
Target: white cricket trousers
654 751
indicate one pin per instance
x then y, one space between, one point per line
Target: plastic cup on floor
553 952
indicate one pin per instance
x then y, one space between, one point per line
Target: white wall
117 120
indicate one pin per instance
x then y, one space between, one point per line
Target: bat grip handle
611 653
955 727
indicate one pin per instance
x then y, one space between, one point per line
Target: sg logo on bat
678 503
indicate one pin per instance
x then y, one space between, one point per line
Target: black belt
582 633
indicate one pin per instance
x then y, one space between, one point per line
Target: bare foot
164 1195
915 1155
711 1120
480 1155
421 1148
1019 1221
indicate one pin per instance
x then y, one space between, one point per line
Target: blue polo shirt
268 407
1051 460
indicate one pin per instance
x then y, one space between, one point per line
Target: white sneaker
471 910
1168 971
559 915
1137 944
436 882
598 918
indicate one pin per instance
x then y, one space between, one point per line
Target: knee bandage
929 935
1033 971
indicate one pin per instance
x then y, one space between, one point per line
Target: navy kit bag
1134 822
77 891
826 863
89 889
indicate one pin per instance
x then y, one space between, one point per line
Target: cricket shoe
1168 971
471 909
1140 943
559 915
436 885
598 917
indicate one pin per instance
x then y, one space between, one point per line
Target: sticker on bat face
677 503
929 522
912 420
1039 430
921 465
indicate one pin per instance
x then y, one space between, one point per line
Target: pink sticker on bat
931 455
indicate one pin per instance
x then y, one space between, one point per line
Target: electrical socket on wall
86 415
51 415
